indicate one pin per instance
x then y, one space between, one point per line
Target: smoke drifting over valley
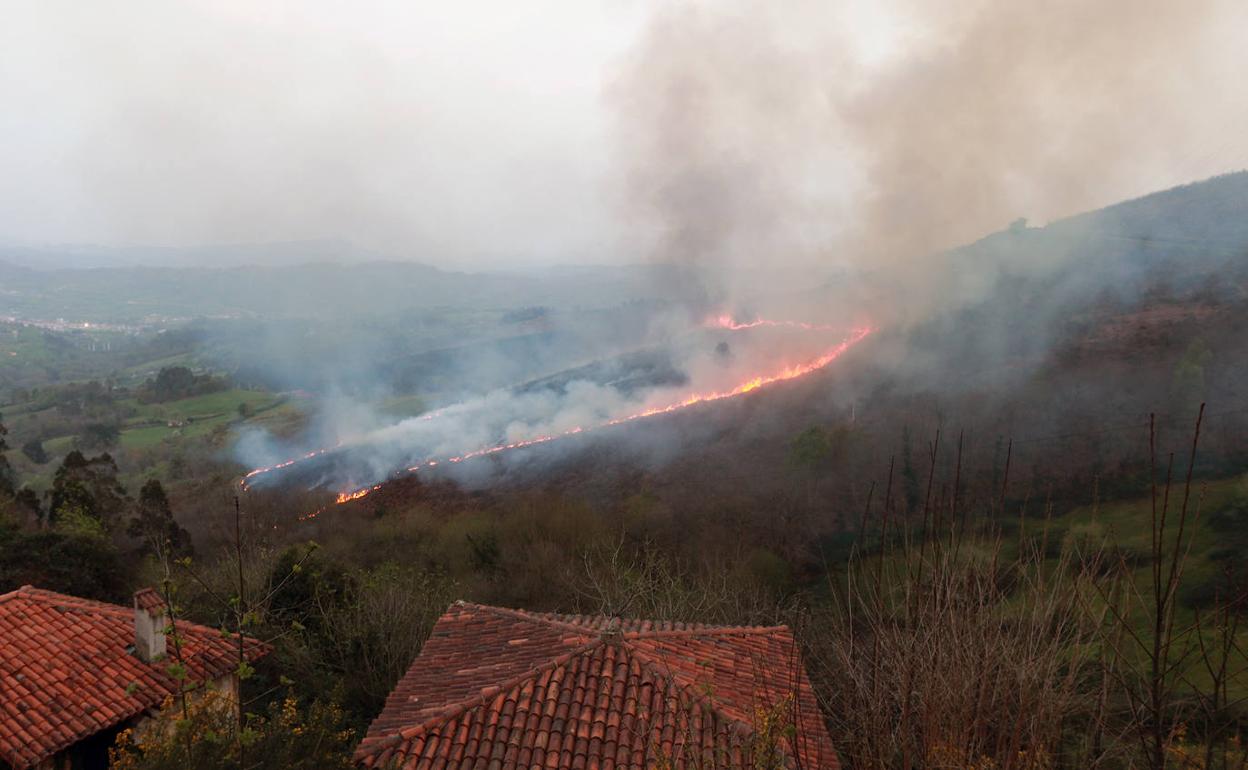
762 134
849 165
716 360
488 134
467 363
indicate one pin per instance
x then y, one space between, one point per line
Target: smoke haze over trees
321 316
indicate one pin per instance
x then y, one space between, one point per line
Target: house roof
518 690
68 670
148 599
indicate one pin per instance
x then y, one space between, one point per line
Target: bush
357 631
206 737
930 663
75 564
177 382
99 435
35 452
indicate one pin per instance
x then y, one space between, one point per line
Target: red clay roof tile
67 670
148 599
583 691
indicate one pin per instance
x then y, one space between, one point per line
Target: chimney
150 619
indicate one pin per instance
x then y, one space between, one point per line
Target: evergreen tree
35 452
87 488
153 522
8 480
28 499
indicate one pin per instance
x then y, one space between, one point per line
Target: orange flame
246 481
721 321
346 497
787 373
290 462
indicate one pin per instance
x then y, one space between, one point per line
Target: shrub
207 736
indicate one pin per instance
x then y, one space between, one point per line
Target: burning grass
777 369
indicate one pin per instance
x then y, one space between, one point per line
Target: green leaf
245 670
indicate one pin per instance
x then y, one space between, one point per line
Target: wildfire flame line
721 321
246 482
787 373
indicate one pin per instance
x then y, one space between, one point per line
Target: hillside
1064 347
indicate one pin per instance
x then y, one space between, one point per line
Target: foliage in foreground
956 646
206 737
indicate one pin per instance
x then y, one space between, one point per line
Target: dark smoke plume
751 134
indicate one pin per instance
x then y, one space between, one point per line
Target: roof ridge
450 711
533 618
47 596
16 592
69 602
709 631
702 629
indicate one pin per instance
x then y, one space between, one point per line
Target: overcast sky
496 133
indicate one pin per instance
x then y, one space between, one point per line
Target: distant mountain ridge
268 254
1191 231
130 294
1213 210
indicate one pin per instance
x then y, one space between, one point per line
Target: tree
240 611
99 435
35 452
176 382
8 480
154 524
88 486
361 628
74 564
80 398
28 499
173 382
811 449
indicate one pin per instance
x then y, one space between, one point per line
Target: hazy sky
487 133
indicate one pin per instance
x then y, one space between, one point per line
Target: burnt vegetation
1008 536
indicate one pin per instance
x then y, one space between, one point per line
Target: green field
31 356
152 433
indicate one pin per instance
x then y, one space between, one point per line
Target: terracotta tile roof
148 599
67 670
506 689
